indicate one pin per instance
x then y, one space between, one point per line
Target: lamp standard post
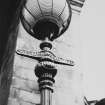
45 72
45 80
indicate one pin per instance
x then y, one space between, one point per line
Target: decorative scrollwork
44 55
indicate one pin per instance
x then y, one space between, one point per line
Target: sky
92 29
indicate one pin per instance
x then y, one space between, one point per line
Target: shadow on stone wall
9 19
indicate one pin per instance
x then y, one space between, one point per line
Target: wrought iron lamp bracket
39 56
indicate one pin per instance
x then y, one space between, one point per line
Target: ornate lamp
46 18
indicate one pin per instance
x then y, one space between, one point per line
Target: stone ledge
14 101
26 74
24 84
21 95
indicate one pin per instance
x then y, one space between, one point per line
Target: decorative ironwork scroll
44 55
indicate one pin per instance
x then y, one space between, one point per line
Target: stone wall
9 19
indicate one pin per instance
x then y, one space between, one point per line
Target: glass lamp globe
46 18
